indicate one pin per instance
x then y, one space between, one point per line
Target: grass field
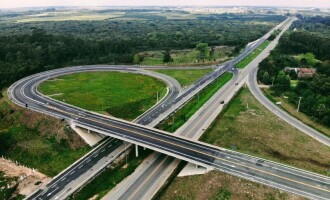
185 56
292 109
182 115
121 95
256 131
36 140
110 177
220 186
243 63
185 77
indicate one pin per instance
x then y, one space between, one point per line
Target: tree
203 49
282 83
167 56
136 59
303 62
266 78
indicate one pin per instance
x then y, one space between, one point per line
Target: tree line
301 49
27 48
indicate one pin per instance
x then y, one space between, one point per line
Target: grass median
175 121
243 63
121 95
185 77
255 130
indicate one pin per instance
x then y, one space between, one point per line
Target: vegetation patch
292 110
252 128
216 185
185 77
8 192
243 63
121 95
32 47
302 57
36 140
212 55
177 119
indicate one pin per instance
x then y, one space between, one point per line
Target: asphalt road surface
108 146
253 85
143 184
24 92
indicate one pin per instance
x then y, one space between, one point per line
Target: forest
27 48
302 49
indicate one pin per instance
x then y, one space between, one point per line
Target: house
306 72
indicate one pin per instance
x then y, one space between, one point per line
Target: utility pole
273 81
299 104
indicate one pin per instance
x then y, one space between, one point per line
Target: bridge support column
136 150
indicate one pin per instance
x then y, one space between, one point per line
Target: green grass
292 110
243 63
29 147
109 178
216 185
185 77
37 141
182 115
121 95
253 129
293 83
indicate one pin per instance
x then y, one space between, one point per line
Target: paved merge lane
91 160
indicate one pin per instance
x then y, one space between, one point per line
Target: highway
149 177
108 150
199 153
174 91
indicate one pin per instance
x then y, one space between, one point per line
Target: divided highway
63 184
313 186
150 176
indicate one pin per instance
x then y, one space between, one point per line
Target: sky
283 3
